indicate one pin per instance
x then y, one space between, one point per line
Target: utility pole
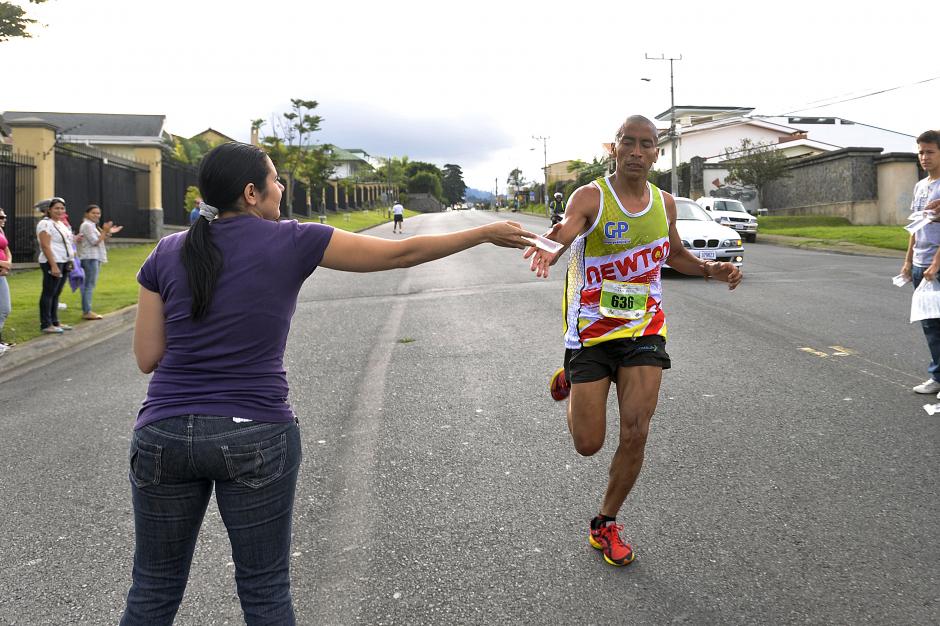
496 192
672 119
544 141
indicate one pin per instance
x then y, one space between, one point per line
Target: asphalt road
791 475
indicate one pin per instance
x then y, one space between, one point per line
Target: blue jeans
91 268
931 330
5 302
173 465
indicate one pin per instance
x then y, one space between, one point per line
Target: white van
731 213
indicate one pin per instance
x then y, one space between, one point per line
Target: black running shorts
585 365
399 218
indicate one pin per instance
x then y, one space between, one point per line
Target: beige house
212 137
558 174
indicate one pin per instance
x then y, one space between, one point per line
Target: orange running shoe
607 539
559 387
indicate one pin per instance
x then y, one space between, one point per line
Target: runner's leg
637 395
587 415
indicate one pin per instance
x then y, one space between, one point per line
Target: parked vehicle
704 237
731 213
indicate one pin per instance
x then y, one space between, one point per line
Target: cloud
439 138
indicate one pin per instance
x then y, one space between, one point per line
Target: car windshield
688 210
729 205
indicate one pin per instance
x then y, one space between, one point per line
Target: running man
621 230
399 212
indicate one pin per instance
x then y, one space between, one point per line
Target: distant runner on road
399 212
621 230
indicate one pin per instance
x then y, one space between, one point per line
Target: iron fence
17 180
300 208
176 179
119 186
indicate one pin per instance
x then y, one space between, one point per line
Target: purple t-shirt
231 363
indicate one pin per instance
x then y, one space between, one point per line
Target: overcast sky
472 82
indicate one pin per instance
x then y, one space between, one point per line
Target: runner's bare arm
579 215
684 261
351 252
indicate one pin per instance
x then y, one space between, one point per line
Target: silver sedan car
704 237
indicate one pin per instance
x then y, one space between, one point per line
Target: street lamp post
544 141
672 119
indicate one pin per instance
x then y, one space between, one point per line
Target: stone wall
423 203
859 184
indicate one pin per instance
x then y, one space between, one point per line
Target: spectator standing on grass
6 264
922 261
93 252
56 245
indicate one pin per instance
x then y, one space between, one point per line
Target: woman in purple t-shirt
216 411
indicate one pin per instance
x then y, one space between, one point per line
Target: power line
866 95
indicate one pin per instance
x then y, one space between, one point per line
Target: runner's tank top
613 288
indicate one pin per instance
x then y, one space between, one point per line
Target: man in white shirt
922 261
399 212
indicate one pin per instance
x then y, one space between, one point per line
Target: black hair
223 175
930 136
92 206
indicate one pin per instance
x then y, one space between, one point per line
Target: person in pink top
6 264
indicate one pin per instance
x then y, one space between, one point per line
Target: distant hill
476 195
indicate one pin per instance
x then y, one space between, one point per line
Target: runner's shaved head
635 119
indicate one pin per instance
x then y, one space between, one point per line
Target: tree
587 172
452 182
392 172
426 182
755 164
13 21
291 149
515 180
413 167
188 151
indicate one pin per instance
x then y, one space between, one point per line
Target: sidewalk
42 350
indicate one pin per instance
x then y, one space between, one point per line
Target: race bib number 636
624 300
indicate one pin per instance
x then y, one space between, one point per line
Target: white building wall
711 144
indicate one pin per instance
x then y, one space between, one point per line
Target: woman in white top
55 244
92 253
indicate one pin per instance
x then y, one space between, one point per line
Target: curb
41 351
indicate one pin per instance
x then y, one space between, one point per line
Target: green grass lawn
834 229
117 282
359 220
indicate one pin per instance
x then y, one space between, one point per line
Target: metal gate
119 186
17 178
176 179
